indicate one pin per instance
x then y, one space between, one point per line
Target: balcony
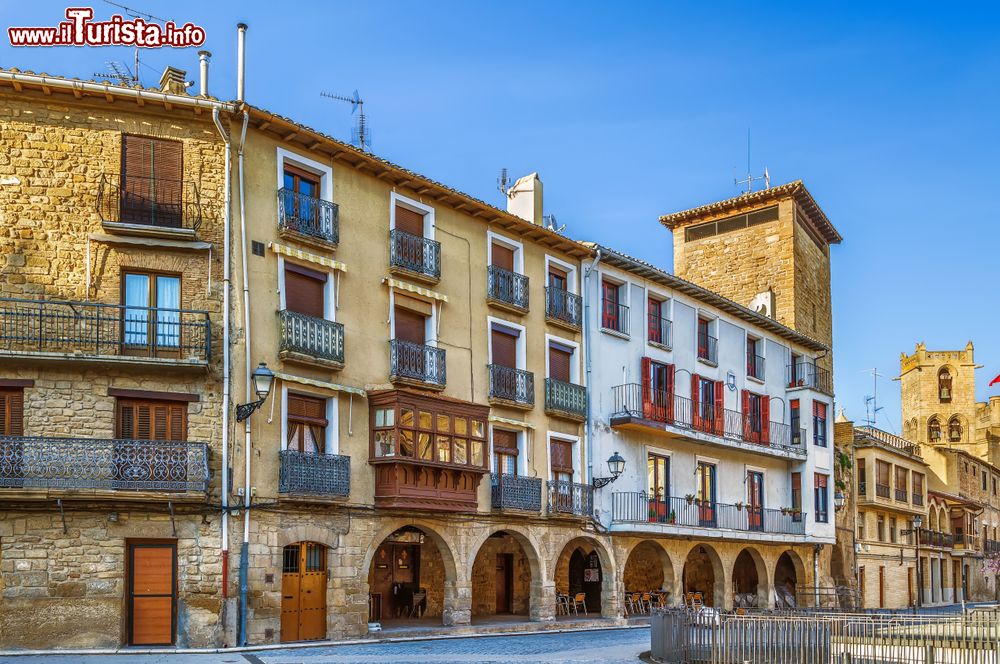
312 340
901 495
991 547
640 507
635 408
149 206
416 364
964 543
934 538
755 367
507 290
661 332
918 499
614 318
308 218
511 387
319 475
60 330
32 462
882 490
414 256
708 349
515 492
563 308
570 498
565 399
807 374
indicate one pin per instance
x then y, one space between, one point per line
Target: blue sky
888 113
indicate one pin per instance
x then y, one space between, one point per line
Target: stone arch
945 380
932 518
944 523
308 533
751 587
789 575
910 429
648 567
539 600
934 429
704 572
955 431
609 605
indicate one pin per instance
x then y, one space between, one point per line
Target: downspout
244 550
586 345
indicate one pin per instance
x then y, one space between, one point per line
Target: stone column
543 601
457 604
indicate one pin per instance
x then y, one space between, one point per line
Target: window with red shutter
12 411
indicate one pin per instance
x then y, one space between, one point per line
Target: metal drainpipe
586 346
244 550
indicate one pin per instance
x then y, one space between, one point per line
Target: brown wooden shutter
151 181
504 442
409 221
410 326
12 412
561 452
559 362
502 257
557 278
504 347
305 407
152 420
304 290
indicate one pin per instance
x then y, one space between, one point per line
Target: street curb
311 644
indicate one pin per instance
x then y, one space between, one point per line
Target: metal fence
708 637
570 498
308 215
515 492
507 287
159 202
566 398
415 254
638 507
316 337
510 384
563 306
417 362
315 474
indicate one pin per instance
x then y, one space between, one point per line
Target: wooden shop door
303 592
505 582
152 593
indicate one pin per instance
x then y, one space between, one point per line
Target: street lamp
616 464
838 500
917 522
262 378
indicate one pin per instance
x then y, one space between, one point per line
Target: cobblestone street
619 646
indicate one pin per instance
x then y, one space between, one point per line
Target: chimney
241 52
203 57
525 199
173 82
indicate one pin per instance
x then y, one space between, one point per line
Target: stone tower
939 398
768 250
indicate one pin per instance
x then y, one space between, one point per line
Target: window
902 483
755 361
880 528
795 419
152 320
882 472
305 291
862 478
428 431
944 385
819 423
505 452
892 529
821 497
984 481
861 525
306 424
708 344
505 282
300 195
560 362
706 494
934 430
755 499
561 459
412 247
657 390
658 326
954 429
994 486
796 371
11 411
730 224
558 279
918 489
658 477
796 496
148 419
503 345
756 417
614 314
151 186
707 404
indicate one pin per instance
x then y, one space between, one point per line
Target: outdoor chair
646 603
580 599
562 604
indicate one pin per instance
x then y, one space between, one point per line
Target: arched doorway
749 580
303 592
786 581
703 574
648 568
584 567
502 575
407 577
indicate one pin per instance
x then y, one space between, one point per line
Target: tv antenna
750 179
550 223
871 401
119 70
503 182
361 134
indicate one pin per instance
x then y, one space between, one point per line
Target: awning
147 241
510 422
419 290
319 383
291 252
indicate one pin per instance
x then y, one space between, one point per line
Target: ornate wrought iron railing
570 498
315 474
89 329
660 330
306 335
416 362
807 374
516 492
514 385
149 201
614 316
708 348
566 398
88 463
309 216
507 287
563 306
639 507
415 254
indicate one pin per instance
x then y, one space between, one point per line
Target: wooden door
755 500
150 420
909 586
409 221
502 257
12 424
305 290
152 593
505 582
380 583
303 592
410 326
881 587
151 181
706 493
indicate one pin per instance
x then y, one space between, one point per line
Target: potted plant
785 511
672 518
652 513
739 506
689 498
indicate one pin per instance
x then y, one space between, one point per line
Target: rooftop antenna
750 179
550 223
119 70
871 401
503 182
361 134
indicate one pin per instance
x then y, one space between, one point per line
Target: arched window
954 429
944 385
934 430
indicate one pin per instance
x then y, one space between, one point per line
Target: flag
995 381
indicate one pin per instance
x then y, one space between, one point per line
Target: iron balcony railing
901 495
516 492
755 366
570 498
660 330
87 463
798 435
567 398
991 546
641 507
145 201
314 474
964 542
417 362
614 316
315 337
309 216
918 499
507 287
862 488
631 400
708 348
415 254
882 490
563 306
807 374
514 385
92 330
